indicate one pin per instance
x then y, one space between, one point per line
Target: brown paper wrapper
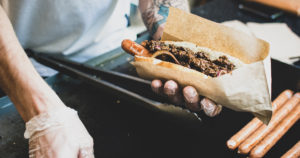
245 89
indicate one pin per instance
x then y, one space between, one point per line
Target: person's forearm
154 13
18 78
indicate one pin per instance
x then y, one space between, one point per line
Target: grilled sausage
294 152
135 49
244 133
255 123
262 131
270 140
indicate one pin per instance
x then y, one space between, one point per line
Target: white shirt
69 26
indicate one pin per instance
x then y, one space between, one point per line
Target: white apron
85 28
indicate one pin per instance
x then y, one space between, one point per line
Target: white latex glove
58 134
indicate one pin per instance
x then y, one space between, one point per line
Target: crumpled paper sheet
238 25
245 89
284 43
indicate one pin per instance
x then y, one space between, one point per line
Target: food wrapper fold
245 89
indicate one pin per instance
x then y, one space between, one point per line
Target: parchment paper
245 89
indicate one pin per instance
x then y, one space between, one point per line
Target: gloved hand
58 134
188 96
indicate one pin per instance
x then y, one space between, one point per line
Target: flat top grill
123 129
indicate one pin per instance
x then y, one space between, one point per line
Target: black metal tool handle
107 75
135 84
92 79
128 84
99 78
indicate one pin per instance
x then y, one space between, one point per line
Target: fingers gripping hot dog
161 48
255 123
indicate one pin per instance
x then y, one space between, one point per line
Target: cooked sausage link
258 135
294 152
270 140
255 123
135 49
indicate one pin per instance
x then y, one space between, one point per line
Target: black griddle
122 129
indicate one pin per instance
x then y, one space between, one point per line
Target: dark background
123 129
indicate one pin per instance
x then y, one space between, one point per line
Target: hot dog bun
212 55
221 88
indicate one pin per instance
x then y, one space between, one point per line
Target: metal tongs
127 87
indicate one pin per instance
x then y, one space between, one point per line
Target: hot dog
213 74
188 55
255 123
270 140
140 50
262 131
294 152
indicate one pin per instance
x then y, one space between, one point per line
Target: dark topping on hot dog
195 60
